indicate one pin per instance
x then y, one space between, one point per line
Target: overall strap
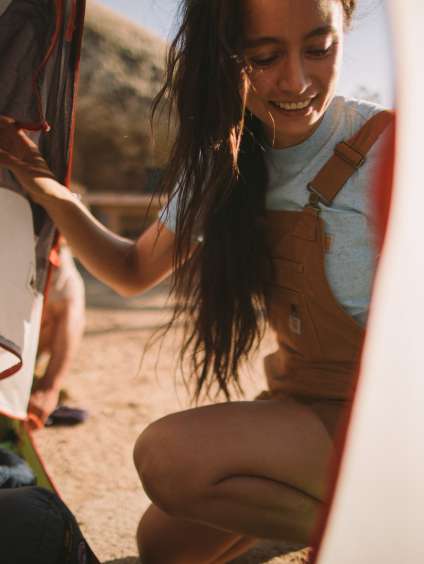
348 157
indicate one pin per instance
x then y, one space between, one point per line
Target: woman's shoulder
355 112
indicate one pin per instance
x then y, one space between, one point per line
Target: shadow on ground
264 553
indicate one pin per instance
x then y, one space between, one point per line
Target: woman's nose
293 77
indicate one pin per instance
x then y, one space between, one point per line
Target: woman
253 82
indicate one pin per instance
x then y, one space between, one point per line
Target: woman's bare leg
251 469
162 538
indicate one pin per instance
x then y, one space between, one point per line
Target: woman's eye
262 61
320 53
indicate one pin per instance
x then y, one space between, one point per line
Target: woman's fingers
18 152
11 139
7 160
6 121
14 138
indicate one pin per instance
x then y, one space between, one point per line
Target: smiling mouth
293 106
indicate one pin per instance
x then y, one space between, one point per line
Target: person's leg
60 336
244 469
162 538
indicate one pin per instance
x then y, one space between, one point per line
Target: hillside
122 69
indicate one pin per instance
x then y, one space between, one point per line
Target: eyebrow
265 40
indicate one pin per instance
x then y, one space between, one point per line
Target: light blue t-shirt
350 261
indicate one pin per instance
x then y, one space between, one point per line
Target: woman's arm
126 266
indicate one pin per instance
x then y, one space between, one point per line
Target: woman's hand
124 265
20 155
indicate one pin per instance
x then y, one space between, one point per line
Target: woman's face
293 50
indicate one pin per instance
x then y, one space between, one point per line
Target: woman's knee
165 465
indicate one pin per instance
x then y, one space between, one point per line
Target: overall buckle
314 200
350 155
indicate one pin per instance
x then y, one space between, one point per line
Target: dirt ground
92 464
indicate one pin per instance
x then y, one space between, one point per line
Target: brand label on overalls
295 322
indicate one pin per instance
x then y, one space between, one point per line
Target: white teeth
293 105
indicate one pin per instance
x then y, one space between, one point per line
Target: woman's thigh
279 440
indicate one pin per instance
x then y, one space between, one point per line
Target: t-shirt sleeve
168 217
168 213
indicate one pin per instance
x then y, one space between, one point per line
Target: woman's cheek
255 104
259 95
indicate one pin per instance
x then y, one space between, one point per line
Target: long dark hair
218 172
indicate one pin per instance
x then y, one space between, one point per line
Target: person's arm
126 266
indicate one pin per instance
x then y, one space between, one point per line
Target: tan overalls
318 341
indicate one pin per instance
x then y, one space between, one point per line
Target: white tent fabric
15 390
40 48
18 274
377 513
20 303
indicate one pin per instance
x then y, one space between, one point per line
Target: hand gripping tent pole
40 44
377 510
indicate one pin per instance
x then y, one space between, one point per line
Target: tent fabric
39 53
15 389
16 436
377 510
18 277
40 42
